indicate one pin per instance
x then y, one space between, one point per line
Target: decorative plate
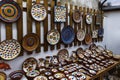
72 78
63 55
95 34
29 64
40 78
59 75
60 14
100 32
38 12
32 73
88 39
67 35
80 35
9 49
2 76
30 42
89 18
77 16
53 37
10 11
16 75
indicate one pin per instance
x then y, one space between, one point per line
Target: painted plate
38 12
33 73
88 39
89 18
94 33
59 75
100 32
29 64
80 35
30 42
2 76
16 75
60 14
53 37
67 35
77 16
10 11
9 49
63 55
40 78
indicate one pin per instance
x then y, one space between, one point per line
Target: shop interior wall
111 36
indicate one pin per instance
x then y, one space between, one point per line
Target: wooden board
8 31
20 27
45 25
38 32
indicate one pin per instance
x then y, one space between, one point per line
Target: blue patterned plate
67 35
100 32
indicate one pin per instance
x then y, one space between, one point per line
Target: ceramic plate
9 49
30 42
10 11
53 37
40 78
38 12
63 55
29 64
89 18
59 75
32 73
100 32
2 76
80 35
88 39
67 35
16 75
77 16
72 78
94 33
60 14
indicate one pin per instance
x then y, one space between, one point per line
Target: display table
100 74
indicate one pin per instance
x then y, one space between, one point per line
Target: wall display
9 49
38 12
40 78
67 35
63 55
29 64
77 16
2 76
80 35
60 14
10 11
88 39
30 42
16 75
53 37
89 18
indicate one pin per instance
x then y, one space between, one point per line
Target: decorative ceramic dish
60 14
77 16
80 35
63 55
53 37
94 33
89 18
10 11
29 64
59 75
100 32
2 76
38 12
9 49
32 73
72 78
67 35
30 42
16 75
40 78
88 39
